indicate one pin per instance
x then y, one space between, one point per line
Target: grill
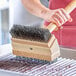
13 64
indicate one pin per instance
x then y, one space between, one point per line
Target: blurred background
4 22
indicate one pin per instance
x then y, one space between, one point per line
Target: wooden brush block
34 49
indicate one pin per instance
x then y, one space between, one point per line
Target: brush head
30 33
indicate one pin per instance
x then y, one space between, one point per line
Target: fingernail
61 27
70 20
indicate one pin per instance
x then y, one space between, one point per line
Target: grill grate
62 67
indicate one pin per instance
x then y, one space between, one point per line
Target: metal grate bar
57 68
62 67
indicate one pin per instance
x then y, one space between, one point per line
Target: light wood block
34 49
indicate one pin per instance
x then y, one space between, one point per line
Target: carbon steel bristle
31 33
33 60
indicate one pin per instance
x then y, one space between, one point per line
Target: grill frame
66 53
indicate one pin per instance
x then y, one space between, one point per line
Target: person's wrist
44 14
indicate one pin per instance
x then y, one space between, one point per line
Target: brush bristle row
31 33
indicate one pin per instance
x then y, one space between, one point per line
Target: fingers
57 19
60 17
67 16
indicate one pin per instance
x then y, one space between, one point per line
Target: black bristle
33 60
31 33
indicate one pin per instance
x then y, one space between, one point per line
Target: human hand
58 16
